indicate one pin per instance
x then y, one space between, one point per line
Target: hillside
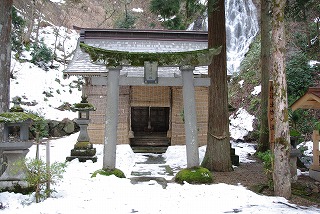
91 13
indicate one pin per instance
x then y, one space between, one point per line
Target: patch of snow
256 90
241 83
240 124
244 150
161 19
58 1
307 148
313 63
137 10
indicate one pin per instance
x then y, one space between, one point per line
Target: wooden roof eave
113 58
307 101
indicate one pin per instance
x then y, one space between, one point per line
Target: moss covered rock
196 175
107 172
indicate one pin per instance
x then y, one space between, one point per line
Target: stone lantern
83 149
14 148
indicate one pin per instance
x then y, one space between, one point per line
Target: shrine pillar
111 122
190 116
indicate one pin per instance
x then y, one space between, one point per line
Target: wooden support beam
162 81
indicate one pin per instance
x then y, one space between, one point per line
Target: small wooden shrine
311 100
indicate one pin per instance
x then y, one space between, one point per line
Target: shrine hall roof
135 41
310 100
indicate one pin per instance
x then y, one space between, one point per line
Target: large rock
62 128
69 126
54 129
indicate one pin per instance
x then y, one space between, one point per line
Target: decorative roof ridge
175 59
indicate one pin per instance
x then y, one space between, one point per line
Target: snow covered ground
78 193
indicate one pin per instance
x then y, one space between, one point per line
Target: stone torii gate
185 61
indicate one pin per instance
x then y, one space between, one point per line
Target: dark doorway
150 126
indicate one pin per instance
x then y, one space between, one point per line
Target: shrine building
154 99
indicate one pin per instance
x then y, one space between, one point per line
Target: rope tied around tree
221 137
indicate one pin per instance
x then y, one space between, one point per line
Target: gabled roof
135 41
310 100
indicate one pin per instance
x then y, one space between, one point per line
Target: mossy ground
305 190
300 191
107 172
196 175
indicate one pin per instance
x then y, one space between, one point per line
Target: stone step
161 181
136 173
149 149
163 141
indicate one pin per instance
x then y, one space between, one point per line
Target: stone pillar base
83 151
83 158
12 176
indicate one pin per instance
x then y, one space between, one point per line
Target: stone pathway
151 167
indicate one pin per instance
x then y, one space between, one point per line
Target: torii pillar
190 116
111 123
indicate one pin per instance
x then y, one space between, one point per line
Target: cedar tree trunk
217 157
5 57
265 71
281 171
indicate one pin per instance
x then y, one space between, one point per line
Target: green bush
302 120
41 54
300 76
267 158
194 8
196 175
40 128
175 23
38 175
165 8
126 22
106 172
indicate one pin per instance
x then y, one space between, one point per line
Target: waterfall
241 28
